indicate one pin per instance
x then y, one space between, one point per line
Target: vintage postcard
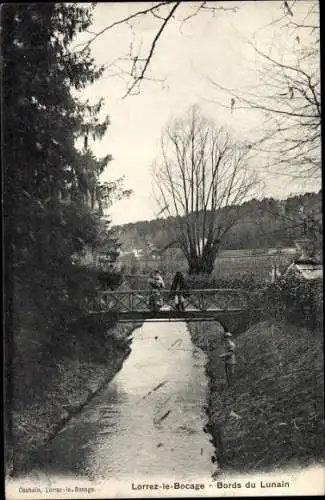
163 249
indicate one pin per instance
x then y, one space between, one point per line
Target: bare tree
200 179
288 91
288 97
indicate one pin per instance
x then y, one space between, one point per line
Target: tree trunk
202 265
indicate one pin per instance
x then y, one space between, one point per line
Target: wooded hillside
263 224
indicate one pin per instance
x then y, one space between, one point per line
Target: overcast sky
205 47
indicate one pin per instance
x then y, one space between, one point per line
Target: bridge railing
138 300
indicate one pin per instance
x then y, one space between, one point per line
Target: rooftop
309 269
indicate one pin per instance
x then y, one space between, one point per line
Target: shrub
295 300
202 281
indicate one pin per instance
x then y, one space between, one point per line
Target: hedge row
295 300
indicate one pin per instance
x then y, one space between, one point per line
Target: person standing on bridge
156 283
229 357
177 291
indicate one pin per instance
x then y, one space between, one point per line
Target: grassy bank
273 416
61 387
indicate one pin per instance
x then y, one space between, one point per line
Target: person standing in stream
229 357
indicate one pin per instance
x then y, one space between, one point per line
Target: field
258 267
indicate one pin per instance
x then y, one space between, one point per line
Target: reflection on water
149 419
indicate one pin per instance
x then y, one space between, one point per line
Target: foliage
46 175
109 279
280 224
297 300
53 197
277 397
202 281
293 299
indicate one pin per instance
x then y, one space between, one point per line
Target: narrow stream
149 420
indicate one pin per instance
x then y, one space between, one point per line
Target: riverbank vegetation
58 388
53 207
273 416
294 299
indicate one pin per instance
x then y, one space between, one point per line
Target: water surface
148 421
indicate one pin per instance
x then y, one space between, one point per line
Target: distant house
306 269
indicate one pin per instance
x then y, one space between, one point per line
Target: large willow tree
201 177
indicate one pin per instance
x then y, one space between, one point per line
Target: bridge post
201 301
131 301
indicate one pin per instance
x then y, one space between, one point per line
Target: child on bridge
156 283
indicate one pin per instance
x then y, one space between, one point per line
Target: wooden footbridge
227 306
